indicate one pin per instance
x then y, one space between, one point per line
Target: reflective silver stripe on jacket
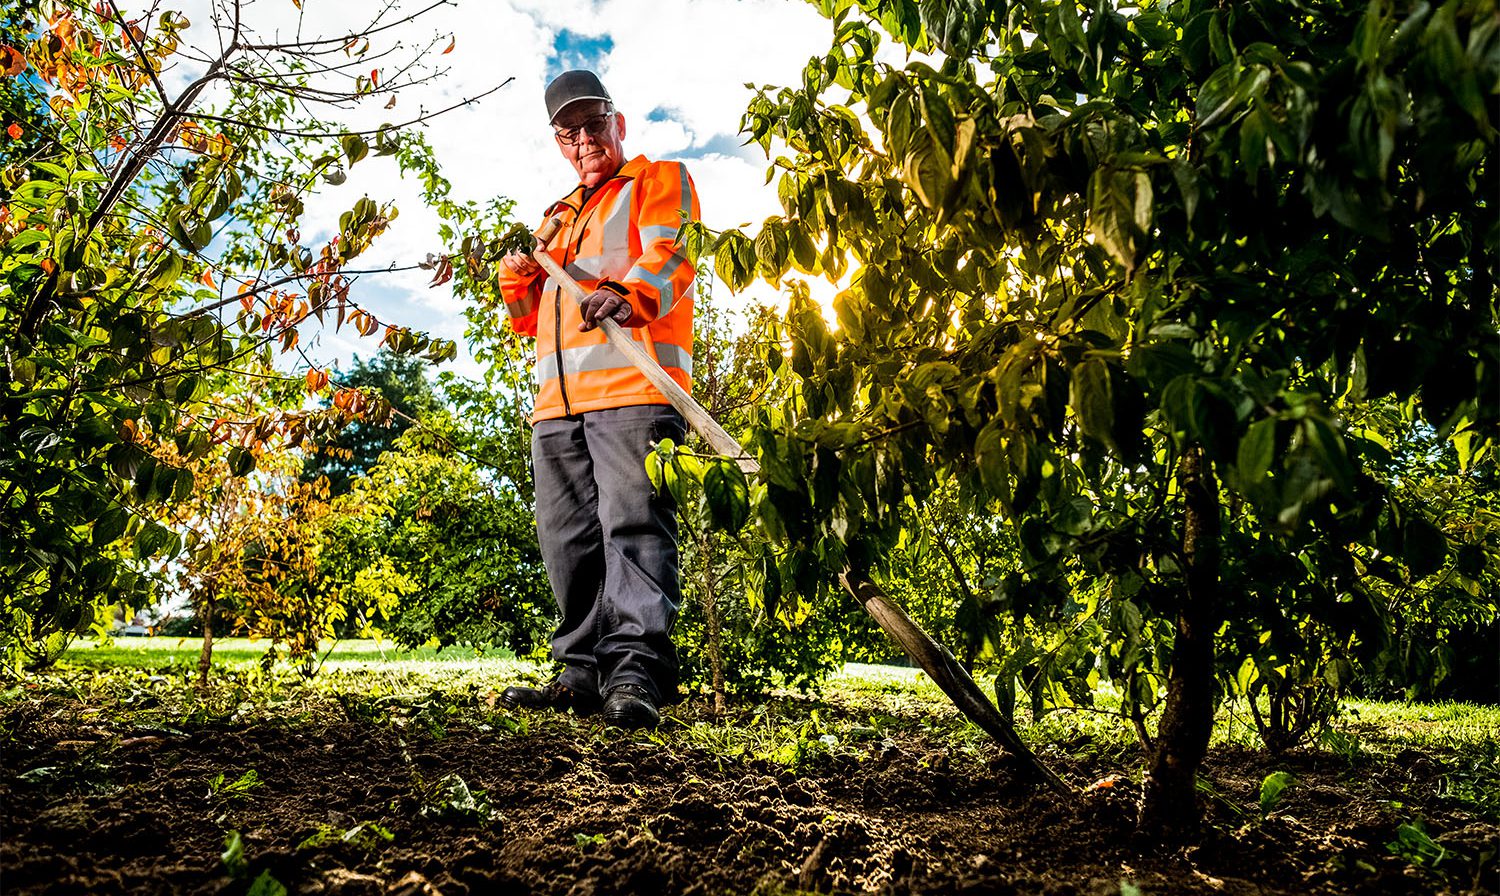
687 191
612 266
606 357
654 232
615 239
662 282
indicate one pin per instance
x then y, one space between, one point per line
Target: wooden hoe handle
934 659
721 441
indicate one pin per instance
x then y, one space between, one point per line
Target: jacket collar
574 200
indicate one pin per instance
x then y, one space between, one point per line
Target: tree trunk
206 655
713 622
1169 804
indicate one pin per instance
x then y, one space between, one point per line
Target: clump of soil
569 808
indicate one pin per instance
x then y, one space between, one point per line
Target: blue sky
571 50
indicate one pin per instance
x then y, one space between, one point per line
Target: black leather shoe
556 696
630 706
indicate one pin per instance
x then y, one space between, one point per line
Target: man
608 540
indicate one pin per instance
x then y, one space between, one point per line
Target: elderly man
608 540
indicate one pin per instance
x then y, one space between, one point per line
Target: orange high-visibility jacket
624 239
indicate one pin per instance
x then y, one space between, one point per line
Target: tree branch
304 45
390 127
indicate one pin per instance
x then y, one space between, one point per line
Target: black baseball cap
570 87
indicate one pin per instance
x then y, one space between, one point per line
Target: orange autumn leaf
374 76
451 44
207 279
14 131
12 61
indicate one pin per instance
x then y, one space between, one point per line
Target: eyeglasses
595 126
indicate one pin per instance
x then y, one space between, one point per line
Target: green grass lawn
155 652
367 669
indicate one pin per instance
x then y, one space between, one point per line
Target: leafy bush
445 555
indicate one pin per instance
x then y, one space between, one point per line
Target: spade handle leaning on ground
934 659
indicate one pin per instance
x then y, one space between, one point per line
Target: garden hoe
934 659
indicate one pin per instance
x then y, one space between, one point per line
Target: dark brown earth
91 808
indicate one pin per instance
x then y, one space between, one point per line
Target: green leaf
187 388
1070 25
1272 789
804 252
167 271
109 526
182 489
654 464
1218 95
241 461
1092 397
1218 39
1331 452
266 885
145 477
771 251
164 482
728 494
1257 451
1187 187
1470 560
26 238
937 117
355 147
51 168
1120 205
926 172
994 463
233 855
149 541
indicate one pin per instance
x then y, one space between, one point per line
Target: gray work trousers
609 542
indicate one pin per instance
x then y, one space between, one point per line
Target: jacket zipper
570 250
562 375
557 291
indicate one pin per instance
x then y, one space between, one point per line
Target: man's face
598 150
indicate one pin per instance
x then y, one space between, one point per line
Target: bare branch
390 127
304 46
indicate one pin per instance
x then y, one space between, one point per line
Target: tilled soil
575 809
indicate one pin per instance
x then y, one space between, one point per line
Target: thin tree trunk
1131 707
1169 804
206 655
713 621
972 639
